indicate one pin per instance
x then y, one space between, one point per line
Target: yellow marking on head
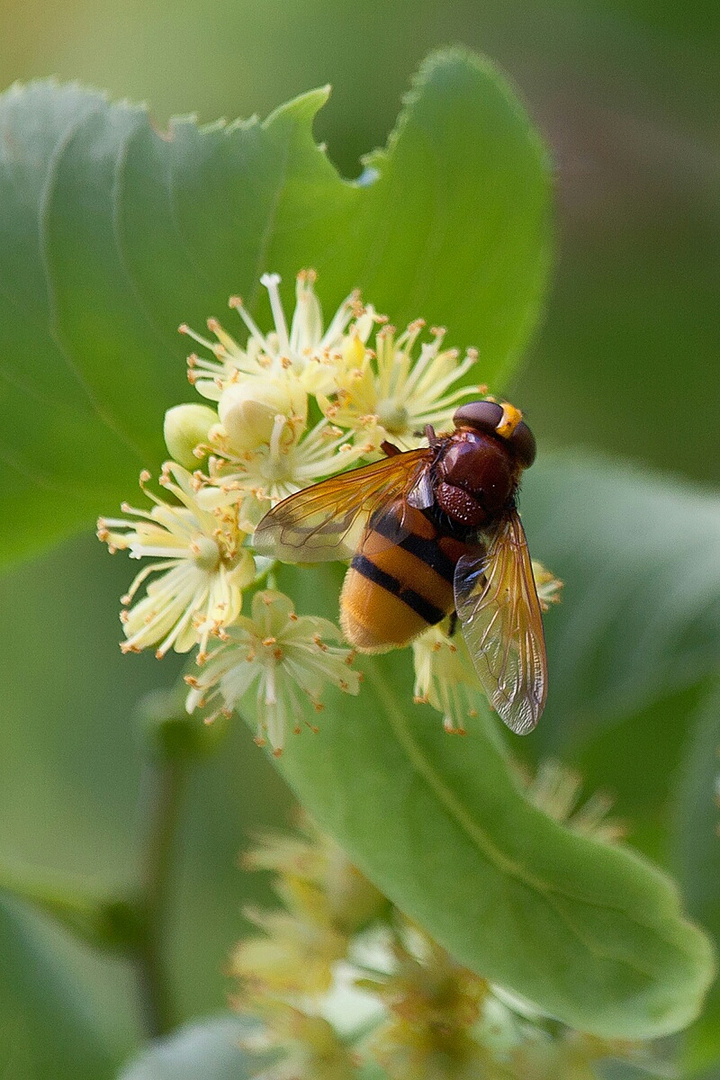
511 417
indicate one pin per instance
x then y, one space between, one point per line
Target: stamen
271 282
229 343
211 346
350 308
252 326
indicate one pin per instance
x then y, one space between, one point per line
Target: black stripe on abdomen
430 553
388 525
414 600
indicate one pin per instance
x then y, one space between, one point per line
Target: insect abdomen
394 590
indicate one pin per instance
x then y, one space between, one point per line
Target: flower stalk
163 788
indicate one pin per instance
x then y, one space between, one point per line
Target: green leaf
640 612
696 842
111 234
622 1070
46 1026
590 933
209 1049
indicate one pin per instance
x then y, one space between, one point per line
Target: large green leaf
589 932
47 1029
632 650
640 617
111 234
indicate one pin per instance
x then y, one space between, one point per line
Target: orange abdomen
395 590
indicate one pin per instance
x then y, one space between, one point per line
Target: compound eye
489 416
483 415
523 443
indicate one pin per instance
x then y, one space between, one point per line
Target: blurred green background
627 94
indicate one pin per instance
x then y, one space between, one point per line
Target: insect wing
499 611
326 521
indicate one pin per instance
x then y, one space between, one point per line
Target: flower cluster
281 410
343 983
284 973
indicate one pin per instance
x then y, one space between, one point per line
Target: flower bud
248 411
185 427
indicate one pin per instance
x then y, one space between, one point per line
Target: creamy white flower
444 677
258 479
305 353
284 657
393 392
201 561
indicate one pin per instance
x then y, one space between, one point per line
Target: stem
163 784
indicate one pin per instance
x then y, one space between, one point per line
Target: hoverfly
428 532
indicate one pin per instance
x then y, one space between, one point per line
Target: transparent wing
498 608
326 521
